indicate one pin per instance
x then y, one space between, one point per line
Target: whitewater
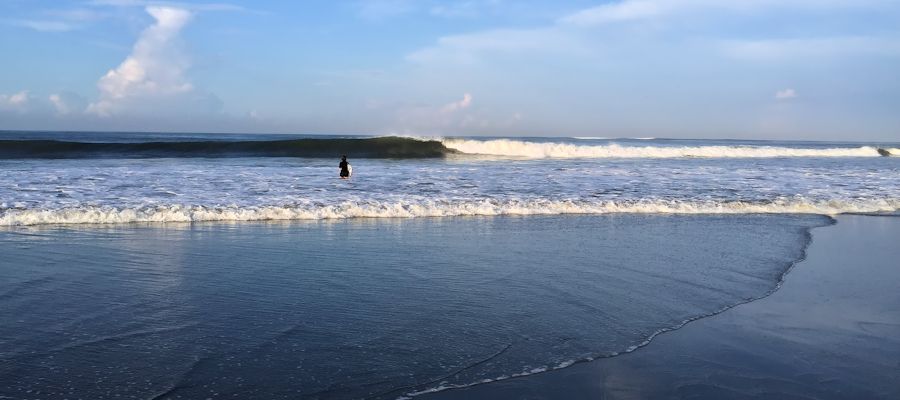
57 178
520 148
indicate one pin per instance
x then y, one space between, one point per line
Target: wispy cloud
785 94
572 34
45 25
169 4
464 9
60 20
469 48
621 11
634 10
803 49
376 10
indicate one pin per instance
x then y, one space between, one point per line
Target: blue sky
764 69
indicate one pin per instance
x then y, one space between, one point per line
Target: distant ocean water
58 177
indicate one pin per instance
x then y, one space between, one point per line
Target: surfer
345 168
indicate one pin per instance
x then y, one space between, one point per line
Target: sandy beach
832 331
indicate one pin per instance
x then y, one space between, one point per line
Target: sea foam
517 148
430 208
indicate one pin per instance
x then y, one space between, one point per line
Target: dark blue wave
381 147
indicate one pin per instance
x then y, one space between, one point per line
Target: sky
749 69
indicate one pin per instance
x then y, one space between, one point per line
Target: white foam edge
430 208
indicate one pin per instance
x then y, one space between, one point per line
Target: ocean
241 266
127 177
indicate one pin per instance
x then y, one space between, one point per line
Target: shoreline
260 310
649 340
729 354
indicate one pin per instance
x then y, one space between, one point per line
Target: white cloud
458 105
14 102
634 10
437 119
804 49
469 48
19 99
46 25
59 104
78 15
154 70
169 4
571 34
60 20
464 8
67 103
785 94
622 11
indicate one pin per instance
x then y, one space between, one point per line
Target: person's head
343 158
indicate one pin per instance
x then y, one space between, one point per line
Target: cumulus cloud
785 94
458 105
155 70
14 102
59 104
67 103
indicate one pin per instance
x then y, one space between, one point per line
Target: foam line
430 208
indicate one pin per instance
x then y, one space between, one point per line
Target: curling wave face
380 147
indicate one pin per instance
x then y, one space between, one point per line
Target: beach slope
831 332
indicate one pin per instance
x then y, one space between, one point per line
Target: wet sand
832 331
360 308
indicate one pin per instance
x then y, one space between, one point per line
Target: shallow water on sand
360 308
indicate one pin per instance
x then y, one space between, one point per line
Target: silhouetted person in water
345 168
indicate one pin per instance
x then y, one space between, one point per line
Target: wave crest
516 148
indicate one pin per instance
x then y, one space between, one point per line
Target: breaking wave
431 208
379 147
517 148
404 147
